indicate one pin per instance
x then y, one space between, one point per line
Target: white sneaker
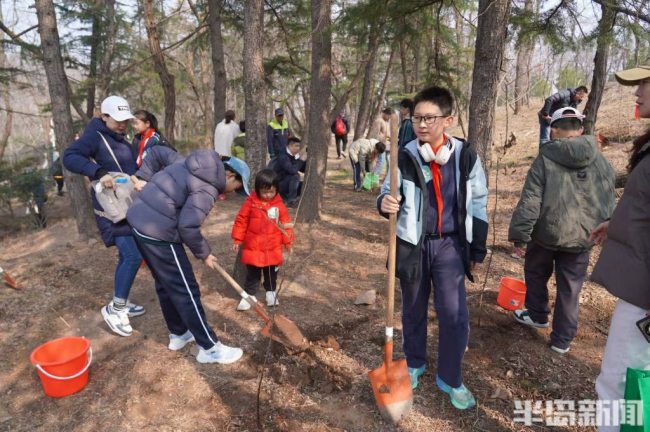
219 353
243 305
177 342
118 321
272 299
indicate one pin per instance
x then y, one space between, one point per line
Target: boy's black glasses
429 120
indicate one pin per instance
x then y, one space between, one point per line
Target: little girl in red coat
262 226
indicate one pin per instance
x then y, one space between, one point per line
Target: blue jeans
544 132
127 266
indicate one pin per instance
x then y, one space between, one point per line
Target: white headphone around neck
441 157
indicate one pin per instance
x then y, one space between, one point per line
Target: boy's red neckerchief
436 177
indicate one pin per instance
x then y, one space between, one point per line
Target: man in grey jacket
562 99
568 192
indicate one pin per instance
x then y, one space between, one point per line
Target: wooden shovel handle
392 244
224 274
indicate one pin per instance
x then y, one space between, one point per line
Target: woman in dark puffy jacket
103 148
623 267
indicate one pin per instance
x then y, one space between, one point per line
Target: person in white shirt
225 133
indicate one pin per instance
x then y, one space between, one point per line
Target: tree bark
95 38
605 36
218 62
488 57
60 97
166 79
384 84
319 112
368 81
254 85
522 69
104 78
4 138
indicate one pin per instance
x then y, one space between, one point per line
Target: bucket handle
82 371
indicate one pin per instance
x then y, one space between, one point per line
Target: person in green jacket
568 192
238 148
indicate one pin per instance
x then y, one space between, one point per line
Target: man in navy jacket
562 99
287 166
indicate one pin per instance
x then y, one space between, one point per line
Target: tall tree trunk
254 85
218 61
166 79
104 78
403 61
384 84
605 36
95 39
522 72
57 82
4 137
368 81
319 112
488 58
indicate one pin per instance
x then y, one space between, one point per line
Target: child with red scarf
263 226
441 233
147 135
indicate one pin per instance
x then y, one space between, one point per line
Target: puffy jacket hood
207 165
573 153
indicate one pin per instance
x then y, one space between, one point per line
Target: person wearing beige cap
103 149
623 266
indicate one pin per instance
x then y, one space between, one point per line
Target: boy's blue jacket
176 201
471 190
89 156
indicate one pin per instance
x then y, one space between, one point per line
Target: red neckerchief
436 176
143 142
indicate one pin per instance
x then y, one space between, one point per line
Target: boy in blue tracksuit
441 232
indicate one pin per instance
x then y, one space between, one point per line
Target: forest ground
136 383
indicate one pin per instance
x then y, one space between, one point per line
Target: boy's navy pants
177 289
442 268
570 273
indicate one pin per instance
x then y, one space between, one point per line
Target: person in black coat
562 99
340 128
287 166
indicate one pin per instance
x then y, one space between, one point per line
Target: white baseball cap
117 107
567 112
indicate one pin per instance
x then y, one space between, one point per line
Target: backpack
116 201
339 127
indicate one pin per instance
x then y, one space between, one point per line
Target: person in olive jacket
623 267
568 192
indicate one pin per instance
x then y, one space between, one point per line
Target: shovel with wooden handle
279 328
390 382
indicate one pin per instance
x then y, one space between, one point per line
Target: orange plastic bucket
62 365
512 293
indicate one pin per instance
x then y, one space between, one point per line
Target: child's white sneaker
243 305
272 299
219 353
177 342
118 321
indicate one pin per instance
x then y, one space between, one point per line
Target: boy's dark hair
293 139
230 116
567 124
407 103
380 147
438 96
387 110
146 116
242 126
266 179
237 175
582 88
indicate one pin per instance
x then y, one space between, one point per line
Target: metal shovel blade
281 329
391 386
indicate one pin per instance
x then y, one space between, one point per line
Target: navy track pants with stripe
177 289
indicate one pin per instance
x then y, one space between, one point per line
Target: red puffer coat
261 236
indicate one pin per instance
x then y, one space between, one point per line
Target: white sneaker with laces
219 353
243 305
272 299
118 321
177 342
